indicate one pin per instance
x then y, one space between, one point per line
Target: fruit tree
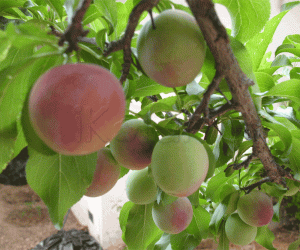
214 143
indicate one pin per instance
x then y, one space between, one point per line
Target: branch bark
227 65
125 42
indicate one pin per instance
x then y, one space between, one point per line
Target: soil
24 222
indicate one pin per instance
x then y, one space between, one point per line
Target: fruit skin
173 53
173 218
77 108
140 187
106 174
255 209
133 145
238 232
179 164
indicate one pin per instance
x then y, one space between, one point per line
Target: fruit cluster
78 109
253 210
176 164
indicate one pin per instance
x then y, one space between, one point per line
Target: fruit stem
152 20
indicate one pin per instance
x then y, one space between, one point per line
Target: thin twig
125 42
75 30
249 188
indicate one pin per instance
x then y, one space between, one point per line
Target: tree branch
226 64
75 30
125 42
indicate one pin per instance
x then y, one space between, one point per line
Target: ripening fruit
133 145
173 218
77 108
173 53
179 164
140 187
106 174
255 209
238 232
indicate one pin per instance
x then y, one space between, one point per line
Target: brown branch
75 30
245 164
203 106
218 43
249 188
212 115
125 42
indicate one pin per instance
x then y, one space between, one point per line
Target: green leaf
248 17
294 156
265 237
5 4
101 38
34 141
124 213
223 240
233 133
283 133
289 89
123 15
244 146
200 223
287 113
289 48
281 61
217 218
184 241
31 34
140 230
163 243
12 93
216 182
7 142
108 11
5 45
289 6
264 81
147 87
166 104
90 15
295 245
295 73
60 180
57 6
258 45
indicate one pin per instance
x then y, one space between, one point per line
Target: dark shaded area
69 240
14 174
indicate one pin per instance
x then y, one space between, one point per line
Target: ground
24 222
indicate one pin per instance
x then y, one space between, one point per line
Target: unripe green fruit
140 187
133 145
179 164
76 108
106 174
238 232
173 218
256 208
173 53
